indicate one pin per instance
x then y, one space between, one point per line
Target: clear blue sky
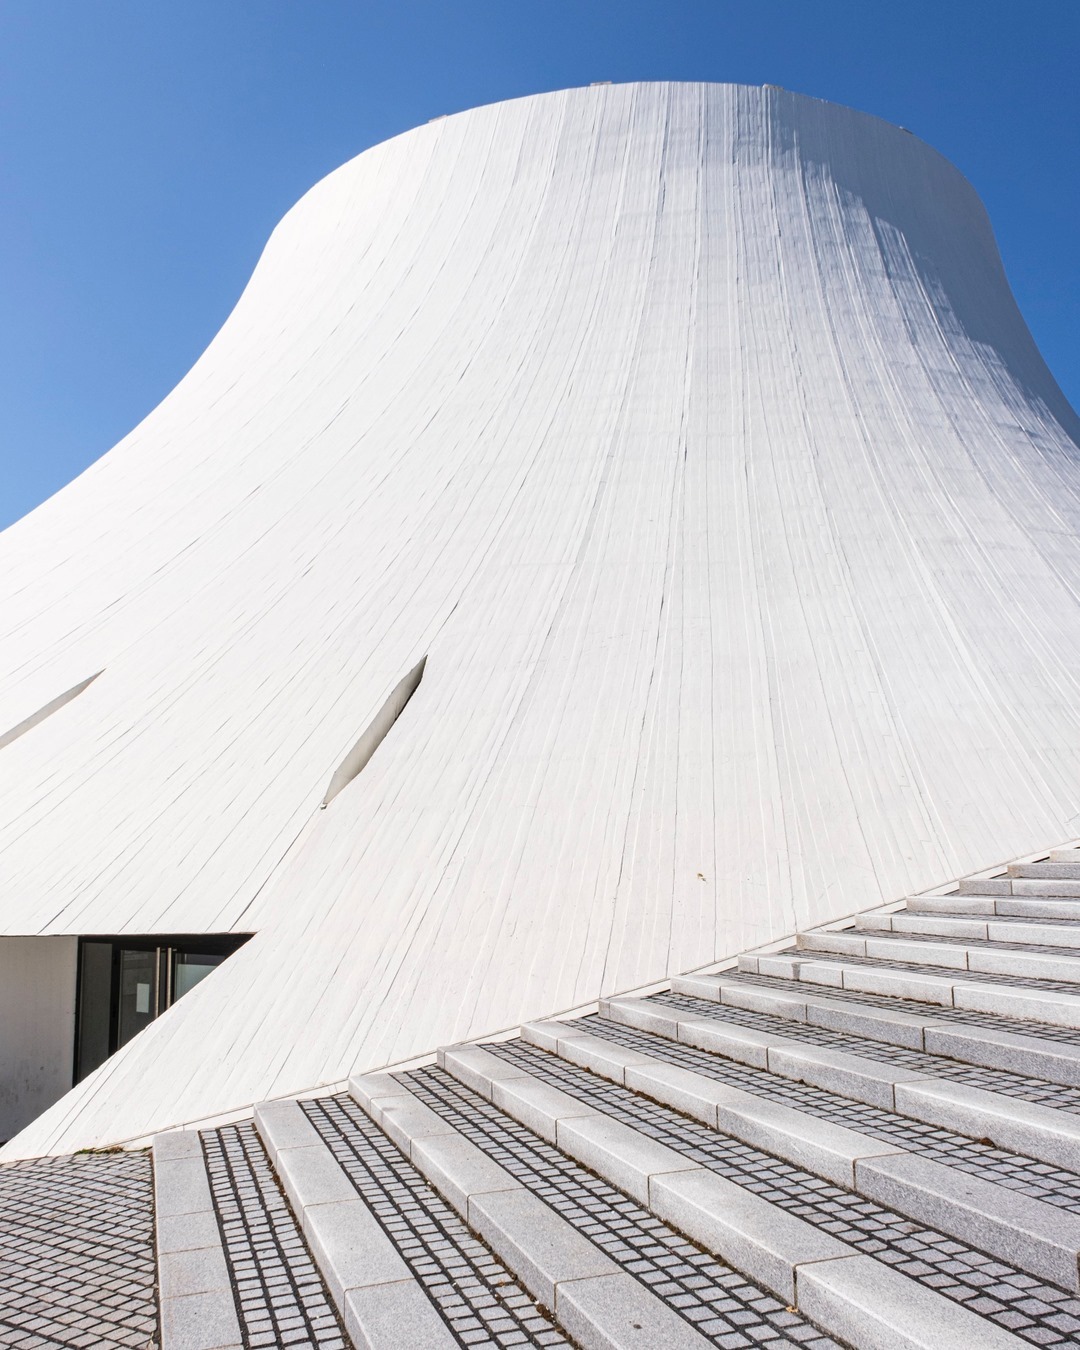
148 147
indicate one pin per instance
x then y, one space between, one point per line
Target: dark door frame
166 945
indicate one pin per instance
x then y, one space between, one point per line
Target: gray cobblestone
990 1080
961 1016
930 1257
1039 1180
78 1253
718 1301
478 1297
956 975
280 1296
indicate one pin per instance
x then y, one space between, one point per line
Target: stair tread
960 1016
941 940
997 1045
856 1166
250 1205
457 1272
710 1293
1066 924
862 1224
937 972
1024 1088
831 1145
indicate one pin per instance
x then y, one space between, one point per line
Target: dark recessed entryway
125 982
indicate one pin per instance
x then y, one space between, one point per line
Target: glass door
191 967
93 1044
138 993
125 982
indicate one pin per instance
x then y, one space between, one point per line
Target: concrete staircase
869 1139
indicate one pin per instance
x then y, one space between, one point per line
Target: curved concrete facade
692 434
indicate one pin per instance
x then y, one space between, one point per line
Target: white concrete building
693 437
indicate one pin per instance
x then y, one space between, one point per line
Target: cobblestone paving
280 1296
1039 1180
961 1016
935 1066
480 1300
720 1303
1029 1307
77 1253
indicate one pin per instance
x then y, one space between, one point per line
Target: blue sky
148 147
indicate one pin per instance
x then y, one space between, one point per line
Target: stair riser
195 1295
1050 871
1021 908
1038 1132
775 1249
1042 1133
959 928
1004 906
1014 1052
1023 1005
950 904
848 1159
985 886
1051 1063
1000 1225
377 1297
1001 886
949 927
597 1303
949 956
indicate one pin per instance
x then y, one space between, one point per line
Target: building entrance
125 982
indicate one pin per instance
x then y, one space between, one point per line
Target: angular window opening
21 728
124 983
376 731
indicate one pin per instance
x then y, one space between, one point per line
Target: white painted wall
693 433
37 1026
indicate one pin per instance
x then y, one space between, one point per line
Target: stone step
712 1296
1018 906
380 1301
195 1296
956 903
599 1304
1063 933
1048 871
988 1047
1065 855
947 925
276 1280
1021 1002
852 1296
959 955
1040 1238
1034 886
1046 1133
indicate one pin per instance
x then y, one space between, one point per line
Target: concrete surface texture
692 434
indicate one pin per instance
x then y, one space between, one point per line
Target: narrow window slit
28 723
377 728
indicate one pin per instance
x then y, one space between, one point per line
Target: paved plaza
77 1253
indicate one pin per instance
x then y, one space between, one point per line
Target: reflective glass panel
95 1007
138 993
191 967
